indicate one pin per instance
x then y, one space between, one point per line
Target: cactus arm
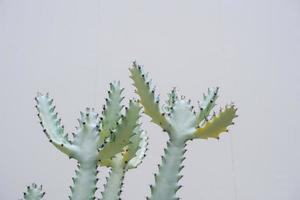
114 184
208 103
172 98
34 192
85 182
130 158
112 110
121 137
136 150
217 125
147 96
166 182
86 140
86 137
51 125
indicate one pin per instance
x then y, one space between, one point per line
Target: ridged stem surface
85 182
114 184
168 176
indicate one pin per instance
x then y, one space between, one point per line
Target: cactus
34 192
116 139
96 141
178 118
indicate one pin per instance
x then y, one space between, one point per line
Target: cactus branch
217 125
206 106
114 184
34 192
112 110
166 181
124 131
136 150
130 158
52 126
85 182
147 96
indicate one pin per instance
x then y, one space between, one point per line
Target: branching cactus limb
130 158
83 148
96 139
148 99
112 111
182 123
34 192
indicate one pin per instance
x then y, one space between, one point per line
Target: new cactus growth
116 140
178 118
33 192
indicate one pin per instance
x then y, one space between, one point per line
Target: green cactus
34 192
178 118
116 140
96 141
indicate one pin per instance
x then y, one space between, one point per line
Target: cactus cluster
115 138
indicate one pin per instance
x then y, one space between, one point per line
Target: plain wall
74 48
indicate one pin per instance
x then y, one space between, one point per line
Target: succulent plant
116 140
178 118
34 192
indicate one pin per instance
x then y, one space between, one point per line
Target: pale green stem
166 180
113 187
85 182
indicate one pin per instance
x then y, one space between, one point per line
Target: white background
74 48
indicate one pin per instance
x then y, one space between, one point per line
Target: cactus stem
166 181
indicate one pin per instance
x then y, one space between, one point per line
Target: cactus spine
182 123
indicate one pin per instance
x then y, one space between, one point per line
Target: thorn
180 168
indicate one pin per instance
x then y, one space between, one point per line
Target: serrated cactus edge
115 138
